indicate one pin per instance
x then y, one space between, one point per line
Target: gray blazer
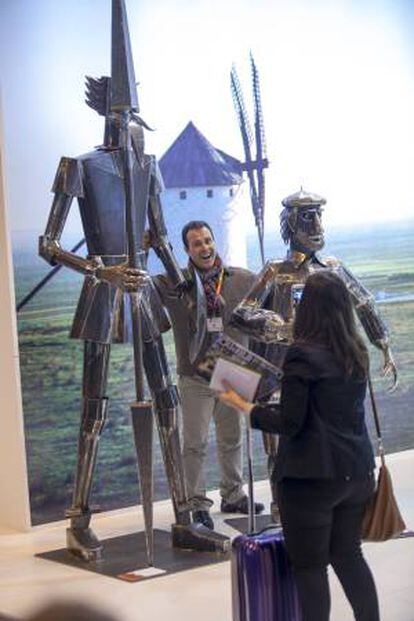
237 282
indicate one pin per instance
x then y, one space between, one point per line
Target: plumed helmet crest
98 93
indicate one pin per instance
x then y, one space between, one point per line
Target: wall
14 506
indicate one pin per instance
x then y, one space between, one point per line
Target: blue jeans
321 522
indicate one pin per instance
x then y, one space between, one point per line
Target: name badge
214 324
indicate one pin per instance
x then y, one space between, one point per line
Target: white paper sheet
242 380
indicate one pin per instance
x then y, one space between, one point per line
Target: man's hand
146 241
123 276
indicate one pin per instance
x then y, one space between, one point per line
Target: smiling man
222 288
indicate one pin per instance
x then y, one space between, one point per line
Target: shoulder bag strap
376 420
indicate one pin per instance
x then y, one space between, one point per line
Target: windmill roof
192 161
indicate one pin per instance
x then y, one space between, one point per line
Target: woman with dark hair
325 460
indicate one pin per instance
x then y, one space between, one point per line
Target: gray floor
200 594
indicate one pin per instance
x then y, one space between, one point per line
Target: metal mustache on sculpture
267 312
118 189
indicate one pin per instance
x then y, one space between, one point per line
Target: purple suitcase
263 585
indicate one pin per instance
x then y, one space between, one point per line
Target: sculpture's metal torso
286 277
267 312
277 290
96 179
101 206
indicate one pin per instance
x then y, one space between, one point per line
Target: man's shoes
203 517
241 506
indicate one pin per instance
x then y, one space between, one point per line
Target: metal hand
123 276
389 368
261 324
276 329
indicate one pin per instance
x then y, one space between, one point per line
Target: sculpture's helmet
124 95
300 221
112 96
118 93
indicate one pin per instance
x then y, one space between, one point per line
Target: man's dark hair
191 226
325 316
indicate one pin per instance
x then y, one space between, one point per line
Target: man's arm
158 236
160 282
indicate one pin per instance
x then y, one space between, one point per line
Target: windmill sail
261 159
253 167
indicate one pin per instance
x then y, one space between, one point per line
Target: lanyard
217 291
219 285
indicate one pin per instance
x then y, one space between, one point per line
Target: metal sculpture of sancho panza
118 189
267 312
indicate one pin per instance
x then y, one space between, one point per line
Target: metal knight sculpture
118 189
267 312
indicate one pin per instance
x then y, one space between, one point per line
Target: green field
51 370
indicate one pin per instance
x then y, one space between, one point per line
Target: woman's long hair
325 316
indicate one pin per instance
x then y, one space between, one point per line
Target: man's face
307 233
201 248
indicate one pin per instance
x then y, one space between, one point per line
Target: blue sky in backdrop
337 90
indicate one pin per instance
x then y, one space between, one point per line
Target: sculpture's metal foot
82 542
197 537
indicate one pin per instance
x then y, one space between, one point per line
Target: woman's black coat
321 419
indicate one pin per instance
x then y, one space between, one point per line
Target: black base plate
124 558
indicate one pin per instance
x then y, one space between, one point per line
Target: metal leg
142 423
81 540
170 445
185 534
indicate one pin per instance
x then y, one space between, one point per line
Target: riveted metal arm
251 318
369 316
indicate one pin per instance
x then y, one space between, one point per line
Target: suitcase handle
251 524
